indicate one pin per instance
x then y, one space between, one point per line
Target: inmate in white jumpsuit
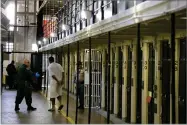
55 89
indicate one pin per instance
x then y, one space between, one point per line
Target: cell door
182 82
139 89
129 80
166 64
151 74
120 82
96 78
113 81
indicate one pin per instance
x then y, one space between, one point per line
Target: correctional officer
24 88
80 91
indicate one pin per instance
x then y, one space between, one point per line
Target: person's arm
51 73
54 77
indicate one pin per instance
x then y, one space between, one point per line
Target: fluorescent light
11 28
10 12
39 42
85 14
65 27
34 47
45 40
53 34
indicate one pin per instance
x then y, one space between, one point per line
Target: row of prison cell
102 9
145 101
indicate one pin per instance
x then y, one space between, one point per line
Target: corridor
42 115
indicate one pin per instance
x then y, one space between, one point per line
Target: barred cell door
96 78
182 82
166 63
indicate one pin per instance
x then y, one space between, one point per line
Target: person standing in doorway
80 91
56 81
11 71
24 87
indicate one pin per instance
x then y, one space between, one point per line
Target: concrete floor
82 114
42 115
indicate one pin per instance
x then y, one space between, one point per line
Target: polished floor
82 117
42 115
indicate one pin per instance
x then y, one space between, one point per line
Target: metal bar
138 69
173 65
80 22
47 77
102 10
77 83
45 59
19 52
23 26
43 4
108 80
114 7
23 13
67 111
93 21
34 11
104 5
186 77
2 69
90 80
75 17
8 39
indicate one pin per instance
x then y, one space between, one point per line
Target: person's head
12 62
51 59
79 64
26 62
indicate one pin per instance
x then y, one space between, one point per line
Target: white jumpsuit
55 89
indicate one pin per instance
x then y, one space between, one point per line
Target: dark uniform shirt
24 74
11 70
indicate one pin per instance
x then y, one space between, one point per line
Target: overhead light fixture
39 42
53 34
45 40
86 14
10 12
11 28
65 27
34 47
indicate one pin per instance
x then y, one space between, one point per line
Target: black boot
30 108
17 107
